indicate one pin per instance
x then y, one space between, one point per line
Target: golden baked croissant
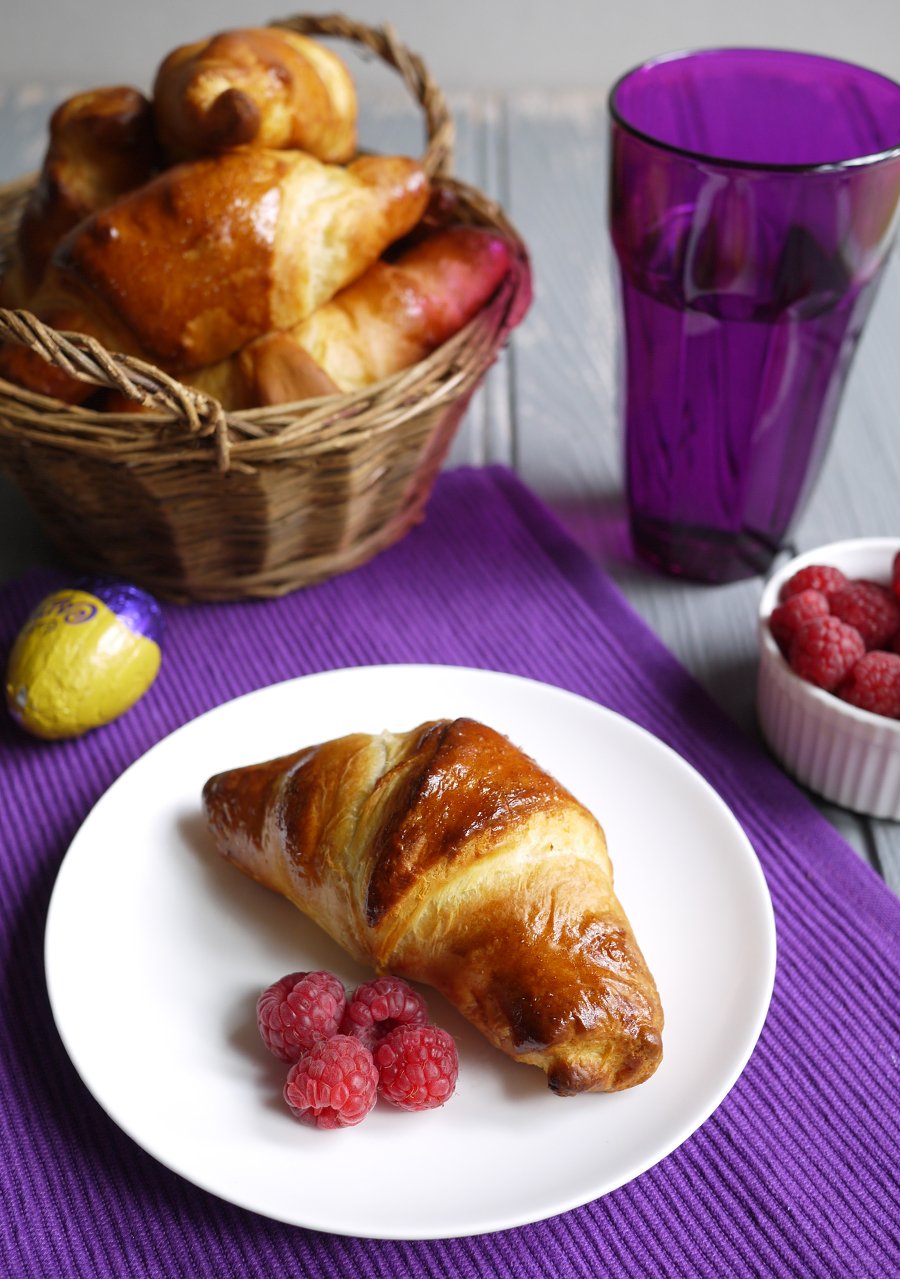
260 86
210 255
101 144
390 318
447 856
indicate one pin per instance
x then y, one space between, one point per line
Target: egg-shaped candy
84 656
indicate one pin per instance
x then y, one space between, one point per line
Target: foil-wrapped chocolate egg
84 656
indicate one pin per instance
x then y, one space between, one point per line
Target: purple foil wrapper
139 611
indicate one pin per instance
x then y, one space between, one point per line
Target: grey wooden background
469 44
548 408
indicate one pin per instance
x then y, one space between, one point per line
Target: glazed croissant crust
394 315
101 146
257 86
211 254
447 856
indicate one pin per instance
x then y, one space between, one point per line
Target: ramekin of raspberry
828 694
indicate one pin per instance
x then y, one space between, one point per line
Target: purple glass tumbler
753 203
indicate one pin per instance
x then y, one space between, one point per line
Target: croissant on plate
257 86
447 856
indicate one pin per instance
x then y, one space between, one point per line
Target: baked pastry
394 315
447 856
102 144
210 255
259 86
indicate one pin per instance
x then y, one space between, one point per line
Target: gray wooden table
548 409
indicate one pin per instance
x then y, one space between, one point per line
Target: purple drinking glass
754 200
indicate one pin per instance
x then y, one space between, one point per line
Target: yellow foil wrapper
75 665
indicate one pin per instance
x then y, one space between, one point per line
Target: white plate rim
461 1228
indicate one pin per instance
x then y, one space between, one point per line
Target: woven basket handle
437 160
85 358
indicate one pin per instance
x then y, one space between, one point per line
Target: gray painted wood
505 43
549 407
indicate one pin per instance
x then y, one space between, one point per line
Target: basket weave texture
194 503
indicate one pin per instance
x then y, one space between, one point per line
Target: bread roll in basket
169 479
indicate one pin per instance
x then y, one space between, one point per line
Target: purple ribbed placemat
797 1171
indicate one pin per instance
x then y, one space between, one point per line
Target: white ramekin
848 756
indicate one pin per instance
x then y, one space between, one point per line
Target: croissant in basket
259 86
447 856
231 271
265 87
211 254
102 144
394 315
251 268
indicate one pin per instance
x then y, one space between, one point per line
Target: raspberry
787 618
895 574
870 608
417 1067
874 684
334 1085
824 651
379 1006
297 1011
816 577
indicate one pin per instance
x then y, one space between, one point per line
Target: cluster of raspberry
346 1051
843 635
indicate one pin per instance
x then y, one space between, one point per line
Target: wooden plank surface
549 407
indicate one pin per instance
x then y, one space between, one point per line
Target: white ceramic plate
156 951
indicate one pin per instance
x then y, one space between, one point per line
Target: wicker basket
197 504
